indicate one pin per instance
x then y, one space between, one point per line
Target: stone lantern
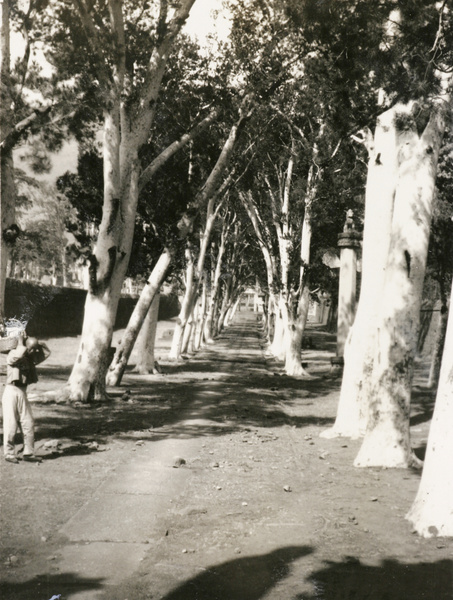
349 242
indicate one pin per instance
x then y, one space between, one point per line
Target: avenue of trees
233 166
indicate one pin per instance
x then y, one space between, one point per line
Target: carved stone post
349 241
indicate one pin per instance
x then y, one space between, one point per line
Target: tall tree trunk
186 308
295 330
215 287
189 330
431 513
387 438
380 193
108 263
7 186
126 129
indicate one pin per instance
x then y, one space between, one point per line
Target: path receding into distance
217 486
108 537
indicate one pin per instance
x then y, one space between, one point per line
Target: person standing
21 372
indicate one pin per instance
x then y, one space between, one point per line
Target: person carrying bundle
21 372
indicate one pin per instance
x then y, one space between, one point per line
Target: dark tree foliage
84 189
440 255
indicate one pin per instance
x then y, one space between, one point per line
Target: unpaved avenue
230 495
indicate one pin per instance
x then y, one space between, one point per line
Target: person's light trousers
17 411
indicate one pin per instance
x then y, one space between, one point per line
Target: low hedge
56 311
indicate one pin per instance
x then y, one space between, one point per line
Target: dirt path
210 482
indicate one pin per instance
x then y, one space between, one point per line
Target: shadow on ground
245 578
248 578
391 580
259 576
231 389
44 587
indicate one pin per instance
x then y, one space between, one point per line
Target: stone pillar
349 242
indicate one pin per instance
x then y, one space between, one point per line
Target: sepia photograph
226 262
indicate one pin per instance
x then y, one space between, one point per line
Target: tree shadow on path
247 578
391 580
44 587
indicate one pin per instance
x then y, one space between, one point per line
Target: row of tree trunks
210 329
288 300
206 197
376 390
215 185
387 436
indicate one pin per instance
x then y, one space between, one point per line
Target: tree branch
20 128
117 24
95 43
160 160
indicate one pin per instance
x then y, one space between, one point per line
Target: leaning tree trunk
432 511
387 438
227 301
380 192
189 330
141 309
231 312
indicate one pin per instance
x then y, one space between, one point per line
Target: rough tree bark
126 127
146 362
431 513
141 309
379 199
387 437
